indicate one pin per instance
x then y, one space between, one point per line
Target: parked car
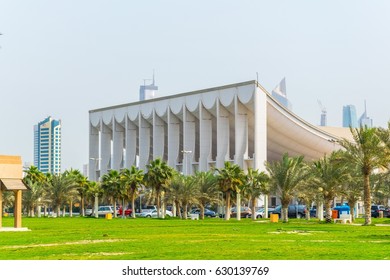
260 212
128 211
246 212
102 210
293 211
375 211
153 214
207 212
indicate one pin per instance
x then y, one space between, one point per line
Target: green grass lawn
212 239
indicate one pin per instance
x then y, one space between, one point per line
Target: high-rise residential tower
47 146
349 116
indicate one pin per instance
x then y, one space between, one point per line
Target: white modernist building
241 123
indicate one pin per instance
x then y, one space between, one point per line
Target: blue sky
64 58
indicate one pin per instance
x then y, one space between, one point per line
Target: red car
127 212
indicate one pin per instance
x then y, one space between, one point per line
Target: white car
153 214
102 211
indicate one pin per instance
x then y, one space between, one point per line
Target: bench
344 218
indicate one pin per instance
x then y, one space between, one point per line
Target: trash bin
274 218
6 214
380 214
108 216
335 214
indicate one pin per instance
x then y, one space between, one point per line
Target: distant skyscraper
280 94
47 146
349 116
148 91
364 120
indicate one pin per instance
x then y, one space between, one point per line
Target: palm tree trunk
132 206
58 210
178 212
202 212
71 208
82 213
285 213
253 202
158 203
123 208
185 211
115 214
328 212
227 212
367 200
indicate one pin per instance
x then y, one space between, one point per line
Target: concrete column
260 129
93 152
222 135
130 143
118 135
144 142
105 149
18 209
205 139
241 133
158 136
188 141
173 139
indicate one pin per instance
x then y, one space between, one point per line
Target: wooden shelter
11 173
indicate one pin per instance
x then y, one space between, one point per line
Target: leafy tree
368 152
229 179
286 176
158 177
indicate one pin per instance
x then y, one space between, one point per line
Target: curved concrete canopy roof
287 132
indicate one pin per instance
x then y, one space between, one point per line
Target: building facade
349 116
47 146
241 123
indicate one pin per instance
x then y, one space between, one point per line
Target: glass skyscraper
349 116
47 146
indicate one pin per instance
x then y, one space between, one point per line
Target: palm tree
111 185
95 190
158 177
256 184
229 179
59 188
368 152
330 174
353 189
131 181
207 190
286 175
82 185
35 179
174 193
